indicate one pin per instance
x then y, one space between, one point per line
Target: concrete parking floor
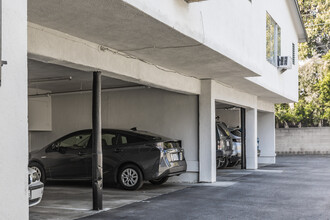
72 200
297 187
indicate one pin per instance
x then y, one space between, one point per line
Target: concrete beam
226 94
265 106
51 46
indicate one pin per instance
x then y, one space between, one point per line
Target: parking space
60 102
228 136
72 200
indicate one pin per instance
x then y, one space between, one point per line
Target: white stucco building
167 66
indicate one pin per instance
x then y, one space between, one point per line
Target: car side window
77 141
129 139
109 139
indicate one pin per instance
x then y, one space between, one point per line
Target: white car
36 188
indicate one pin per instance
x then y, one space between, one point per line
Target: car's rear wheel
222 162
39 169
159 181
130 177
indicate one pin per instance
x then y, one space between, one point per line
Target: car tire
232 164
159 181
40 170
130 177
221 164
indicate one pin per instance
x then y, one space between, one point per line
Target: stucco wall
212 22
13 112
231 117
303 140
166 113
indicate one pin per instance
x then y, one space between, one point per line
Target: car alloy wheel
129 177
222 163
37 170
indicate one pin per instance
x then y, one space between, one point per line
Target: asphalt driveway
297 187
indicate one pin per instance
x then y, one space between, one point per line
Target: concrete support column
207 149
251 139
266 135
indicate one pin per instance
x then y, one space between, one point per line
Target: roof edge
305 37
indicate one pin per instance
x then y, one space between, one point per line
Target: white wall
40 113
212 22
166 113
13 113
266 135
232 118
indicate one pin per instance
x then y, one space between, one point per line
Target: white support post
207 148
266 134
251 139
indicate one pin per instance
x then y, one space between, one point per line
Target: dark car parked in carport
129 158
224 145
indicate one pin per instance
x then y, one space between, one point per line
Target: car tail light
221 145
160 146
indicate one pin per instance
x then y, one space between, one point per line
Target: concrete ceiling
120 26
44 77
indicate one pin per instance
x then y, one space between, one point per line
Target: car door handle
81 153
117 150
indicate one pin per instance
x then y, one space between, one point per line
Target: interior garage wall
230 117
170 114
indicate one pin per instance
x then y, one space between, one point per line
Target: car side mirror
55 146
62 150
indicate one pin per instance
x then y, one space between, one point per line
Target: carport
60 102
163 80
233 117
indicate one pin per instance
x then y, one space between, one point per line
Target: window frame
276 38
133 135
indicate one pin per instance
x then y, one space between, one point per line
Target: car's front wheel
39 169
130 177
159 181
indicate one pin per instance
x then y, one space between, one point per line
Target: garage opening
230 137
60 102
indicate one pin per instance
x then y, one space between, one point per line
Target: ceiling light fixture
50 80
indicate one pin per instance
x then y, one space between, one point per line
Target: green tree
316 17
313 107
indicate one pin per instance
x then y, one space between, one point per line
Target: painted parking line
268 171
217 184
67 208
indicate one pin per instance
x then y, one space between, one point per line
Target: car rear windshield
224 131
151 136
236 132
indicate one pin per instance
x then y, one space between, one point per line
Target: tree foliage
313 107
316 17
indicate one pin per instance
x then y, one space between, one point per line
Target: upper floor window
273 40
